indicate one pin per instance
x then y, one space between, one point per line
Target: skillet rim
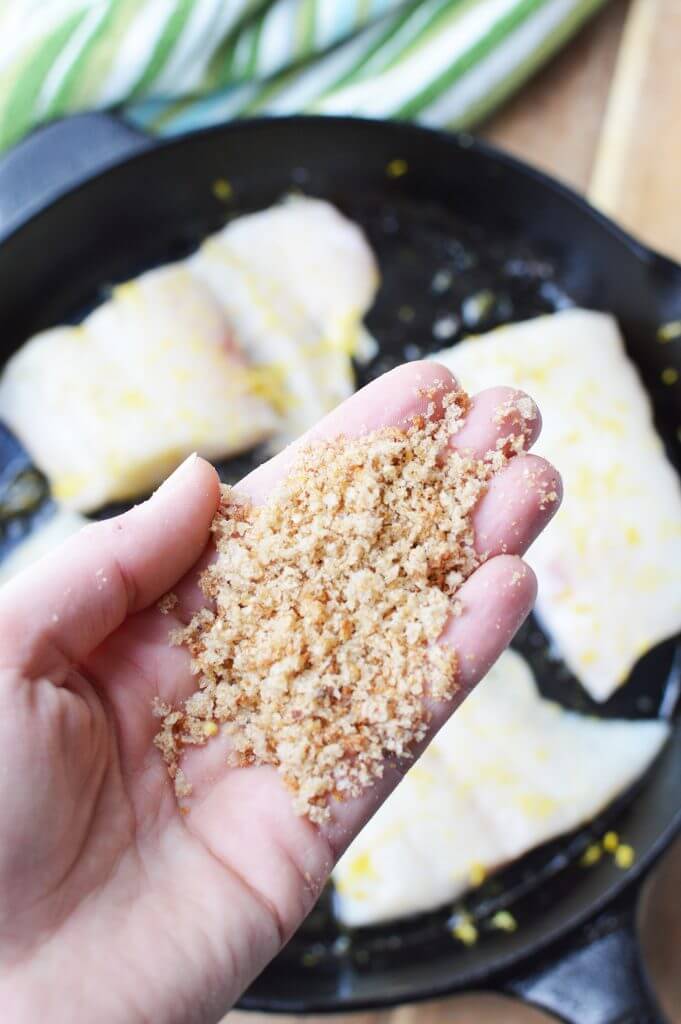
461 139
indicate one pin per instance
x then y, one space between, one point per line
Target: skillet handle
596 978
57 158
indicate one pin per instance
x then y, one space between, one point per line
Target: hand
114 906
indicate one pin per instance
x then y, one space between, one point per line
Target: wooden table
605 118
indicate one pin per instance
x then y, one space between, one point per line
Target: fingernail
175 477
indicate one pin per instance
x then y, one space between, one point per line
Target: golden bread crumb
167 603
328 602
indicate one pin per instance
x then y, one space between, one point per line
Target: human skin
114 906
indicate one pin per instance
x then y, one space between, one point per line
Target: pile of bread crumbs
328 602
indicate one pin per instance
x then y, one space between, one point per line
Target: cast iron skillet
88 202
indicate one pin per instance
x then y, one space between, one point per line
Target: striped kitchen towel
173 65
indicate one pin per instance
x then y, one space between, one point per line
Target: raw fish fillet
249 339
294 282
609 565
109 408
508 772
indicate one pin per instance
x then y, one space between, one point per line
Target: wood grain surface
605 118
636 176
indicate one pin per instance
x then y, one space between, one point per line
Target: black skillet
88 202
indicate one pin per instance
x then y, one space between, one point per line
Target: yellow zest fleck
361 869
69 485
181 374
624 856
632 536
588 657
591 856
129 290
211 728
397 168
612 478
670 331
583 484
536 805
582 608
641 648
477 875
133 399
649 578
269 383
465 931
504 921
669 375
580 538
611 841
222 190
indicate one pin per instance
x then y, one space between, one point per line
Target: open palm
115 905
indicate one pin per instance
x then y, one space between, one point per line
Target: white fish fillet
508 772
295 282
109 408
45 537
609 566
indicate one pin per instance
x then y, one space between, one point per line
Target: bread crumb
518 413
329 600
519 406
167 603
182 787
159 708
547 498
